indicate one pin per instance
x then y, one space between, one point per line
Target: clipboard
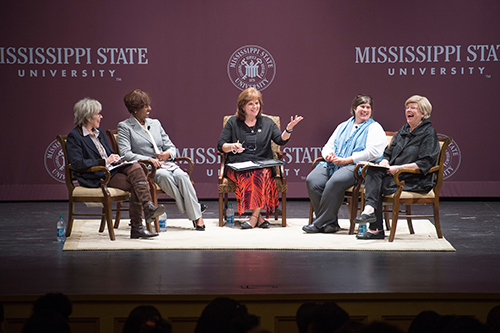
249 165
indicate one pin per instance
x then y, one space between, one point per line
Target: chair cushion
81 191
414 195
227 186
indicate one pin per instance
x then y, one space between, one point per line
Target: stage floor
32 262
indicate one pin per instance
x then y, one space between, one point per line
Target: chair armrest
358 175
222 166
316 161
150 166
104 181
188 160
398 182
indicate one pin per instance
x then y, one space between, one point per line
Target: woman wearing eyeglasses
415 146
360 138
247 137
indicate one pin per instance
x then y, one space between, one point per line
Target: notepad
248 165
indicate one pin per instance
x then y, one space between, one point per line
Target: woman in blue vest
360 138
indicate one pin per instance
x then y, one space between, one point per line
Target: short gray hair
85 109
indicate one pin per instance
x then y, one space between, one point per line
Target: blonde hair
424 106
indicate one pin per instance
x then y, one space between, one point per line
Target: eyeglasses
413 108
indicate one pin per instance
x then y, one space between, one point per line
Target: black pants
375 186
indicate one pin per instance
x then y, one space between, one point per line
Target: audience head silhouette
146 319
219 316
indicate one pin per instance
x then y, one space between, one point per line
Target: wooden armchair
408 198
155 188
103 194
225 185
355 193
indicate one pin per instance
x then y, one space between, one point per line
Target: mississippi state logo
251 66
452 159
54 161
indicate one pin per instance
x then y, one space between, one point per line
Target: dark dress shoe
311 229
331 228
366 218
203 208
264 224
151 211
246 225
141 232
372 235
198 227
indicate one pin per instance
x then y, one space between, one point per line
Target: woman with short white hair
415 146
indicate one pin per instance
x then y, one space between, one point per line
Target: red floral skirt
255 188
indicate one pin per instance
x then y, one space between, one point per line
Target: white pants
177 185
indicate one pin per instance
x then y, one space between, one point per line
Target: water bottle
163 222
363 227
230 216
61 234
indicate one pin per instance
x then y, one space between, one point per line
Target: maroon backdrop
194 57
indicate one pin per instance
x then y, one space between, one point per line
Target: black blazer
83 154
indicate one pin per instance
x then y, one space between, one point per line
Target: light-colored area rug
180 235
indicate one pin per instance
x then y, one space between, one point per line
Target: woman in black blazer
87 147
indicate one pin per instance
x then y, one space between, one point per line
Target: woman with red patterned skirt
247 137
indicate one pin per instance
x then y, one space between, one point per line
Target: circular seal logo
54 161
251 66
452 159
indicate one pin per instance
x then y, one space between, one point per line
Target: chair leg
436 219
353 212
408 219
118 214
283 209
387 220
157 224
71 218
103 218
395 215
221 207
311 213
109 220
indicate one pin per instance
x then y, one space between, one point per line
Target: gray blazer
135 144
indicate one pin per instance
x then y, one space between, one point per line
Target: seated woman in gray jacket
143 138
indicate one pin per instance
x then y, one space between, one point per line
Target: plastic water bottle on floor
163 222
230 216
363 227
61 235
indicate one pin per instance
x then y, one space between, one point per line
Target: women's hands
237 147
330 157
339 160
384 163
113 158
163 156
156 162
393 169
294 121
